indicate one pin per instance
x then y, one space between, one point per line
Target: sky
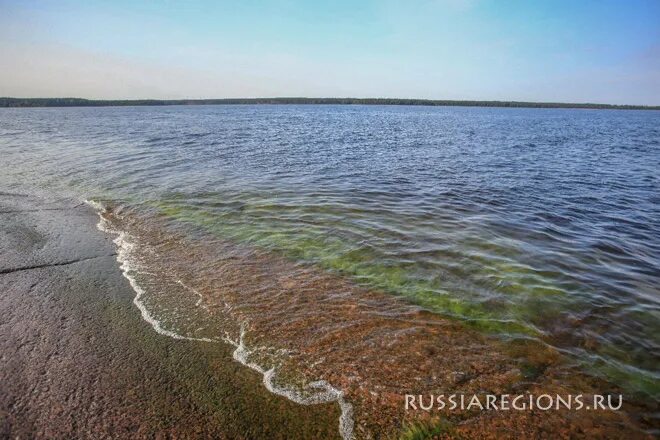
560 51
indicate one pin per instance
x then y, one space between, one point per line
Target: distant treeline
79 102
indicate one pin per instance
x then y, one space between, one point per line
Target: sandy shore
77 360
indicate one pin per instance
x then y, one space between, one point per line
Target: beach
305 271
433 220
78 361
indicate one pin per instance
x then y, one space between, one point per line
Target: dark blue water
536 222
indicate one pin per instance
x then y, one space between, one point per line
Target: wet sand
78 361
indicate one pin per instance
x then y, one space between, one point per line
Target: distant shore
81 102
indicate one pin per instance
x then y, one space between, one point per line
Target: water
534 224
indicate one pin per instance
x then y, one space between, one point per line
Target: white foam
196 292
125 247
326 392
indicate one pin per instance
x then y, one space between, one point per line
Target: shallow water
523 223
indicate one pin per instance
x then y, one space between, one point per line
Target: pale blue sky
578 51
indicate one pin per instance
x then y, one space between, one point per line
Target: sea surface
539 225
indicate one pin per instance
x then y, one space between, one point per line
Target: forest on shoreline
81 102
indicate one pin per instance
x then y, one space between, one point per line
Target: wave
316 392
317 337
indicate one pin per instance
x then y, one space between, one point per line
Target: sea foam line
241 354
327 394
200 298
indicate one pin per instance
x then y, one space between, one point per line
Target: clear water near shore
521 222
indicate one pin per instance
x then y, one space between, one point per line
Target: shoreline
79 357
326 393
79 361
370 345
9 102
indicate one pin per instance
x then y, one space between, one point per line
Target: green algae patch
521 300
315 246
428 430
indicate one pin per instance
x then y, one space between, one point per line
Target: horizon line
85 102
